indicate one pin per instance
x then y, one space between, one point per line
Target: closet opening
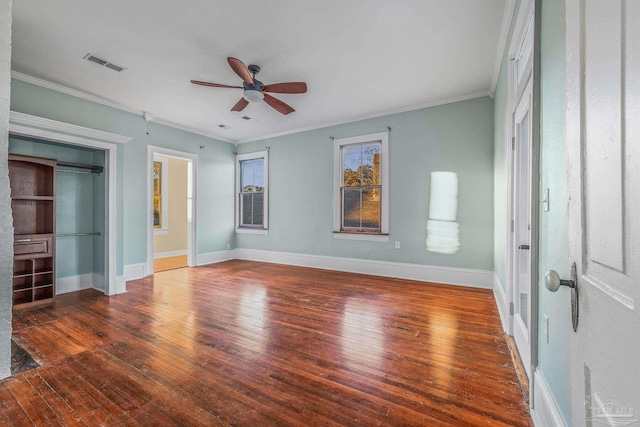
78 256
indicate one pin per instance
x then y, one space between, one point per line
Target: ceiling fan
255 90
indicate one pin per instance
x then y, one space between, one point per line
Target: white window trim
383 139
249 156
165 194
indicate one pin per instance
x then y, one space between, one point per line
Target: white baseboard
425 273
544 413
64 285
98 282
134 271
502 303
169 254
121 285
213 257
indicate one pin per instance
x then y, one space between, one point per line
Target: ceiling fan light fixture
253 95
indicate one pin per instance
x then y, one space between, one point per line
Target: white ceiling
360 58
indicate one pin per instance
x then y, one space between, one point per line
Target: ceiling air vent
103 62
250 119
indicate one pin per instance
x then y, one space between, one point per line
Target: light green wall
78 197
553 357
215 174
455 137
500 151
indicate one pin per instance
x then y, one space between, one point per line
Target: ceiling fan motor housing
253 93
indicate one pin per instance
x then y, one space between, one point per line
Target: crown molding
109 103
507 18
191 130
436 103
103 101
17 118
74 92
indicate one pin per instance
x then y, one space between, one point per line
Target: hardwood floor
255 344
169 263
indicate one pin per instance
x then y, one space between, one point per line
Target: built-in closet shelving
33 202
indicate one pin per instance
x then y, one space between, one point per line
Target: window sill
160 231
262 231
370 237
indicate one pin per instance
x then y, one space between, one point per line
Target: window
361 198
252 189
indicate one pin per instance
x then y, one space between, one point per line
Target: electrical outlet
545 328
397 245
228 245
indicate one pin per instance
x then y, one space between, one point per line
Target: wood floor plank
245 343
65 413
11 408
38 411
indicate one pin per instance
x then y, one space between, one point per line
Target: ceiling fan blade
288 87
240 105
278 105
196 82
240 69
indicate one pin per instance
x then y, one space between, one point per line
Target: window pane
252 209
351 208
361 165
371 208
370 165
246 209
258 209
252 175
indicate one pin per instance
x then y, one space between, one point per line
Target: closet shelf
77 234
45 198
33 204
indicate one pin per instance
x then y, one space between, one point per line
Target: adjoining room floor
169 263
256 344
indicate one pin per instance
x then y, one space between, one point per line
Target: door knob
553 282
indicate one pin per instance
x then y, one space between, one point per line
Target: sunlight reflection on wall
362 338
442 228
252 319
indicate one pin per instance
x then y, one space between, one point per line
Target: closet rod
76 172
77 234
94 168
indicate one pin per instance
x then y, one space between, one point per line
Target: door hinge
512 226
513 142
511 309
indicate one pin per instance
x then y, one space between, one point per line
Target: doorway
171 185
522 186
171 238
33 128
522 190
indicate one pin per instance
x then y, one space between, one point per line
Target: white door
603 183
522 227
